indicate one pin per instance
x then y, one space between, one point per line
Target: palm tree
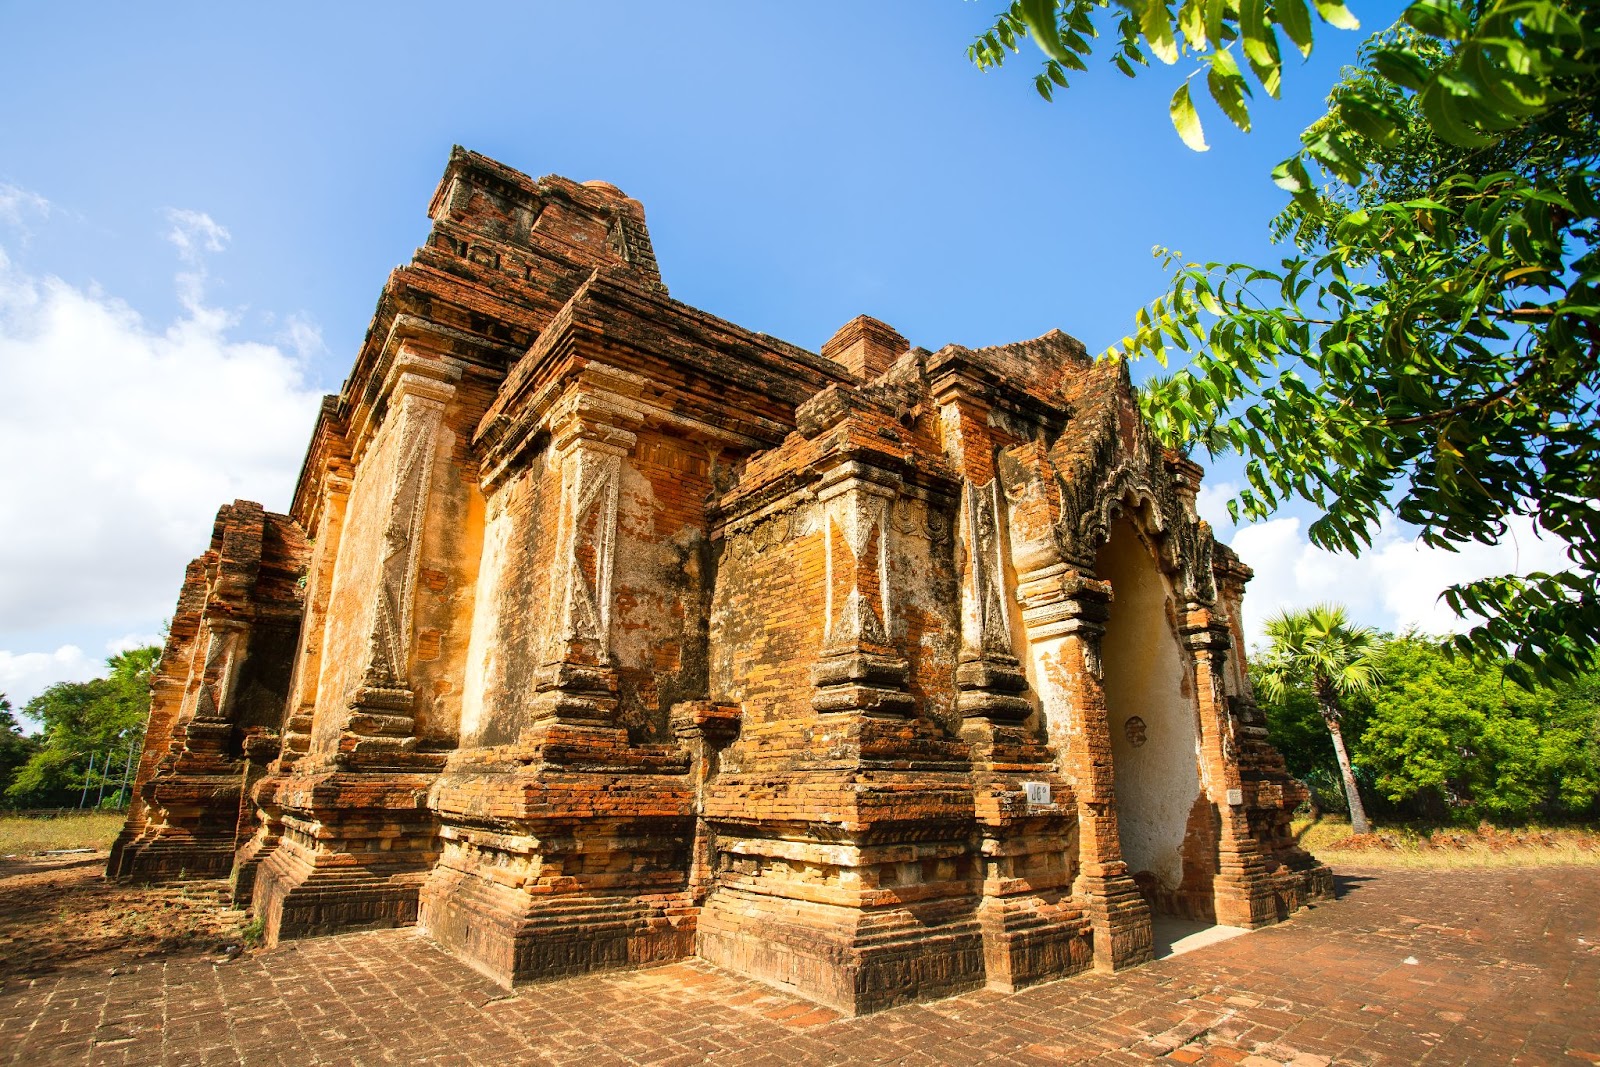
1318 649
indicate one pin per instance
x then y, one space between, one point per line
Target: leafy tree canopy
80 719
1446 738
15 747
1428 348
1449 732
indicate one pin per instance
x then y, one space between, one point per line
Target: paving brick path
1479 967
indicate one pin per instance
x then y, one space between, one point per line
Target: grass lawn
23 836
1329 839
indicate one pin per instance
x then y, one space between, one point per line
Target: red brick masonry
603 632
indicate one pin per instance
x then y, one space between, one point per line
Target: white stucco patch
483 647
1156 781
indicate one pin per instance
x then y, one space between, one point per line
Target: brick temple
602 632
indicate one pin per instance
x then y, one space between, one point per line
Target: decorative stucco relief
390 642
217 675
988 628
856 590
580 581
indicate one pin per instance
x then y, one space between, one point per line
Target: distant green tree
1318 649
1449 736
81 720
15 746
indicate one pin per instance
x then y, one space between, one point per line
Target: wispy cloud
19 207
196 235
20 210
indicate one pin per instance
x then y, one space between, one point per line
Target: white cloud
18 206
25 676
129 642
1212 504
1393 585
302 335
122 438
195 233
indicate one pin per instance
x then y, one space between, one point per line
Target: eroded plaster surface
1149 702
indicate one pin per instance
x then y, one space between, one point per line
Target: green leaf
1291 175
1295 19
1582 197
1441 111
1401 66
1335 14
1369 116
1253 26
1436 18
1185 120
1228 88
1156 23
1192 23
1215 10
1260 44
1040 18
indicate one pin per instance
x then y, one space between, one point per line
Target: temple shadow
1345 884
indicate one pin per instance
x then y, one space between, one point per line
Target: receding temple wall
603 631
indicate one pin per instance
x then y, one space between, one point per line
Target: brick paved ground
1480 967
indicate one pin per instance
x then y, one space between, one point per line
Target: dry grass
22 836
1329 838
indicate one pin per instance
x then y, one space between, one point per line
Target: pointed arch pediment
1106 464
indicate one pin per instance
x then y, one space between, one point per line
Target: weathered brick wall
512 601
352 599
766 627
219 691
663 582
629 632
448 564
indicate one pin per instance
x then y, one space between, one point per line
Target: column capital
1204 630
848 475
413 375
1058 600
583 420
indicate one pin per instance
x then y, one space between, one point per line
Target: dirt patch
58 913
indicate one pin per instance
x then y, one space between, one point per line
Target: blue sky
199 204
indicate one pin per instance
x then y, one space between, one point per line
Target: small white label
1236 797
1038 792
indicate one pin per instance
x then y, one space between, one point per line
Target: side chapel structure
603 632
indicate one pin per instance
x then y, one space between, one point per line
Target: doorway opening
1167 826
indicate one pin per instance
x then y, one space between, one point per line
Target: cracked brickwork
603 632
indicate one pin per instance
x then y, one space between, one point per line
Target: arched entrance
1166 824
